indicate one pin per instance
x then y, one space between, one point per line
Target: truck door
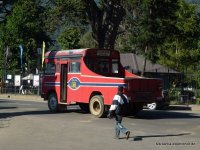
63 83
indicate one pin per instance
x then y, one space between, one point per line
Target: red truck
90 78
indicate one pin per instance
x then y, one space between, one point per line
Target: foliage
181 49
64 13
5 8
69 39
87 40
61 15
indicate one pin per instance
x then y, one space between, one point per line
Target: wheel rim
96 107
53 103
152 106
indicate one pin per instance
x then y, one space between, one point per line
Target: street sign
17 80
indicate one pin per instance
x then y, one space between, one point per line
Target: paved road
28 125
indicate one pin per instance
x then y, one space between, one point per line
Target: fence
24 90
184 97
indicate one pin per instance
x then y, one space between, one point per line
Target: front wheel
53 103
97 107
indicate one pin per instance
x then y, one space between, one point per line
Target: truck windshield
103 66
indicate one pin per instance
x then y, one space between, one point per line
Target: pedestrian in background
117 110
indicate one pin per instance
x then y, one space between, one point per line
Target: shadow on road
7 107
14 114
161 114
36 112
139 138
178 107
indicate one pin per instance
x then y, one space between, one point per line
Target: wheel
152 106
53 102
97 107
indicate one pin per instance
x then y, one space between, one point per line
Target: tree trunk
105 21
144 62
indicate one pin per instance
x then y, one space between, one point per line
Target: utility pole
5 65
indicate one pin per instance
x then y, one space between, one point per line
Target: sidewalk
22 97
191 107
195 107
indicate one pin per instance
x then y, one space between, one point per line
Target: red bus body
90 77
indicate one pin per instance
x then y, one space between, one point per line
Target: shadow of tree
69 109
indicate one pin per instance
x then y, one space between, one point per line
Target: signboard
36 80
17 80
9 76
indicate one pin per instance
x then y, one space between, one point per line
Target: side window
102 66
50 68
115 68
74 67
89 63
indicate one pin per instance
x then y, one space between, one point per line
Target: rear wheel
97 107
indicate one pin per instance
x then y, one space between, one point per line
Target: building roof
135 64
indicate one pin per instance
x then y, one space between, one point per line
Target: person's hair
120 89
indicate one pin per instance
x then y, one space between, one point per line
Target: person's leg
122 128
117 131
117 127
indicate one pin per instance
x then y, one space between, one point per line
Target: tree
87 40
23 26
61 14
148 22
69 39
105 17
164 31
182 47
5 8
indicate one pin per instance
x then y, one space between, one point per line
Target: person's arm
126 98
113 107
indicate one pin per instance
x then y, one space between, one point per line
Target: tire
53 103
97 107
152 106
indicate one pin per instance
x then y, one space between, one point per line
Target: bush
198 100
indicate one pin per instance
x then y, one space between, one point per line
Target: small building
134 63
